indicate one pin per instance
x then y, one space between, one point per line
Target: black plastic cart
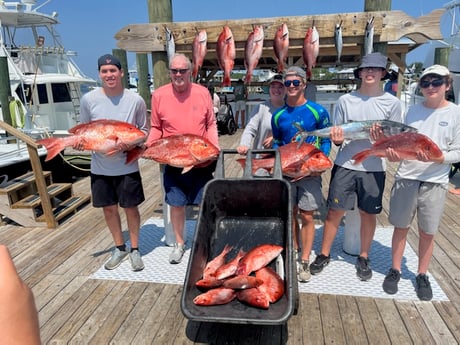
243 213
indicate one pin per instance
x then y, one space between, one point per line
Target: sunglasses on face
180 71
435 83
295 82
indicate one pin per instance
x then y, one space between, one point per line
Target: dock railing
32 148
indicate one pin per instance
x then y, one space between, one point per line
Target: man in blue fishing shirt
300 114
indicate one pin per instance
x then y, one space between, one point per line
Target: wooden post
160 11
5 91
441 56
143 87
121 55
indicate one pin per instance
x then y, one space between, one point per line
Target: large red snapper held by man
297 161
182 151
406 144
226 53
103 136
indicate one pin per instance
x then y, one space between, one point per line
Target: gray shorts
424 198
307 193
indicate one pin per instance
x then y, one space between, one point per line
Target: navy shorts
125 190
348 184
185 189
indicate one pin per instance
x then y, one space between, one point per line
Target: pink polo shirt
190 112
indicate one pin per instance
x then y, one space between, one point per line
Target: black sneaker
390 284
423 287
320 262
363 268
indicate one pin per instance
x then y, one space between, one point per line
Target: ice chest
243 213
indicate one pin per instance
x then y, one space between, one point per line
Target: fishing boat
45 82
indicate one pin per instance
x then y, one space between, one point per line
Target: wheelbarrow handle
247 173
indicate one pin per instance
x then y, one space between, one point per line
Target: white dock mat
338 278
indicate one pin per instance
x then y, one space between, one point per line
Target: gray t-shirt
127 107
357 107
259 126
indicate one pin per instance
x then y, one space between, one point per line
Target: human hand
242 150
376 133
337 136
18 314
392 155
267 143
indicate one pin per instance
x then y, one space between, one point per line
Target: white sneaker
176 255
136 261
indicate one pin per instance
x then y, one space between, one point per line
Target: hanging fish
310 49
199 50
226 54
170 45
281 46
253 51
369 37
338 40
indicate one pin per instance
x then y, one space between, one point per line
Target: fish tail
361 156
227 81
53 146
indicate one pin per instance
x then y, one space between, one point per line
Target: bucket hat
376 60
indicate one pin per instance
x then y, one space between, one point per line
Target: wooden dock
74 309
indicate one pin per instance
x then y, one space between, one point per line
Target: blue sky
88 26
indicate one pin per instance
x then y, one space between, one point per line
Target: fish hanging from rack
338 40
199 50
226 54
170 45
310 49
281 46
253 51
369 37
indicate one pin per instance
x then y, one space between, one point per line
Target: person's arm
18 314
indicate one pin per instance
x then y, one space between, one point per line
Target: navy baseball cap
108 59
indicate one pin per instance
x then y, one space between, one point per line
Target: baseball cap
277 78
108 59
436 69
376 60
297 71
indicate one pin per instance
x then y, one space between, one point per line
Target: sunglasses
424 84
180 71
295 82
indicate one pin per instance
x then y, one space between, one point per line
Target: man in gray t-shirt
364 181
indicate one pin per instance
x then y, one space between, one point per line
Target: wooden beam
388 26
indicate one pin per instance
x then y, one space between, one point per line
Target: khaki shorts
307 193
409 197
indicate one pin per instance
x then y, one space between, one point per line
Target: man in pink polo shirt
182 107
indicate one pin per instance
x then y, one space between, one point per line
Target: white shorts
424 198
240 105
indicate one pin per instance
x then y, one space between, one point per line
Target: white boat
45 82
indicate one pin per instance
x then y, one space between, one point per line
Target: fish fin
187 169
361 156
134 154
53 146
